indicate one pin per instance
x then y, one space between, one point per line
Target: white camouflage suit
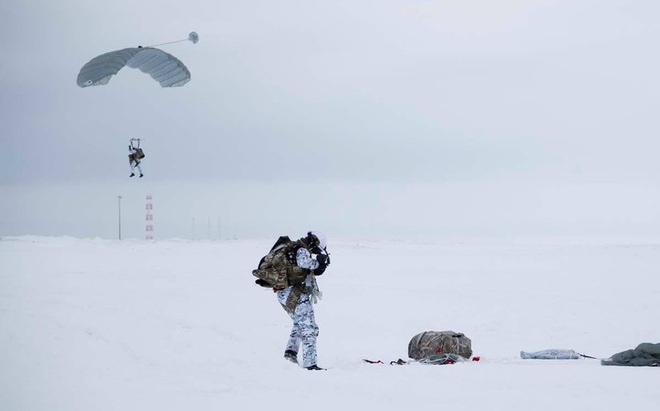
304 328
133 160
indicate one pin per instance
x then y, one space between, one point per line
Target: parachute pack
138 153
430 343
277 269
436 348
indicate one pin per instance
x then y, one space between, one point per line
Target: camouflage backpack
139 154
277 269
429 343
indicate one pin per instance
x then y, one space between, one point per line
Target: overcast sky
354 117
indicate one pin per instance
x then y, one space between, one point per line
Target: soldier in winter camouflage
135 157
297 294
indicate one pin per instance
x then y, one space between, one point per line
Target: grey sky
370 100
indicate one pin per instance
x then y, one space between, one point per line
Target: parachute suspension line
192 37
170 42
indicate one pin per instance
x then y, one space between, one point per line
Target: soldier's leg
293 344
294 339
303 316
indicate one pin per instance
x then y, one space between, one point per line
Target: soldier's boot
291 356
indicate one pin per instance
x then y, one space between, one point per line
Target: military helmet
320 239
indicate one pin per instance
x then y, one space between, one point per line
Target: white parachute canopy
163 67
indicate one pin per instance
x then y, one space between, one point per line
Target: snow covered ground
90 324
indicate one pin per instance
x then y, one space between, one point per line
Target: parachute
163 67
194 37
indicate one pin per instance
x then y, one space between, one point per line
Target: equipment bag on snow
429 343
552 354
278 269
644 355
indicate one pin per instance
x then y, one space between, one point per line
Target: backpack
277 269
429 343
139 154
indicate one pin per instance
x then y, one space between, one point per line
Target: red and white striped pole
150 219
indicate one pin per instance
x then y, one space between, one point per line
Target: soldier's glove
322 259
324 262
320 270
